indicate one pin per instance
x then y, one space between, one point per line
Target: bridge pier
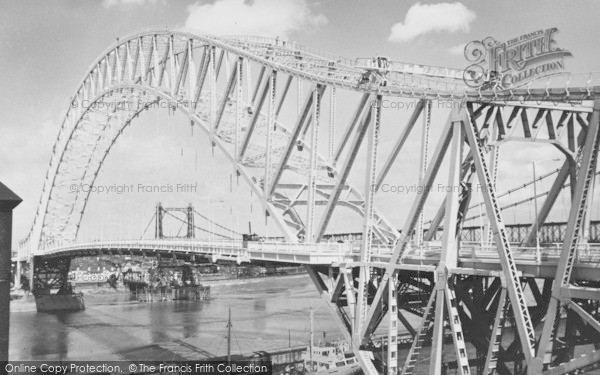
50 274
17 275
8 201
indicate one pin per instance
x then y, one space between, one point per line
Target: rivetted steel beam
572 147
164 63
573 365
254 119
439 216
494 346
422 332
182 71
413 216
406 323
291 143
172 63
565 171
133 64
345 170
569 248
238 104
586 317
449 255
580 292
341 322
399 143
271 118
230 85
355 118
258 82
202 72
151 64
435 223
448 258
367 240
286 89
219 64
313 164
349 289
513 284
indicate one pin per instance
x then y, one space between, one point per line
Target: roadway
474 258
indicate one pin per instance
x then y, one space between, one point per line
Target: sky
47 47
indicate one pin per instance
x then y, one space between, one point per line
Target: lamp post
537 232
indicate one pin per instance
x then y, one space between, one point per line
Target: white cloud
109 3
457 50
424 18
270 18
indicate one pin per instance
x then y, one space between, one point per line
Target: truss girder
191 73
162 72
562 280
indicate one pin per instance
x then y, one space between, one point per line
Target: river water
268 313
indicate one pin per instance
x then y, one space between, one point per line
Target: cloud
457 50
424 18
270 18
109 3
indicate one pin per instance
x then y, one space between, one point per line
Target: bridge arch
181 69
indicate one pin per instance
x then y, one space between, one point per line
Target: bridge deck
473 258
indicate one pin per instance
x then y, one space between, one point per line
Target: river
267 313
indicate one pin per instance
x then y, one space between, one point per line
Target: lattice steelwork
228 86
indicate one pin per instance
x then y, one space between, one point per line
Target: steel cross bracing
181 71
521 317
211 80
562 281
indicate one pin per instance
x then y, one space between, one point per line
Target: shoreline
27 302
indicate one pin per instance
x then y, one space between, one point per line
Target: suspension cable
508 192
200 228
217 224
148 226
522 201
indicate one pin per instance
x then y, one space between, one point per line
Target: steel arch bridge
483 314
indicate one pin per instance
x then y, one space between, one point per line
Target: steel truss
50 274
483 315
486 318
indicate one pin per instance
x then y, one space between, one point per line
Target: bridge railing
339 250
293 46
586 252
213 247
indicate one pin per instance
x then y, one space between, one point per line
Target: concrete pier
17 282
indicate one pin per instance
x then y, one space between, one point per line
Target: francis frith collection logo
510 64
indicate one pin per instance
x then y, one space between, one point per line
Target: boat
330 358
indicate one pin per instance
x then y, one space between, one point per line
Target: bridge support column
17 282
49 274
8 201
